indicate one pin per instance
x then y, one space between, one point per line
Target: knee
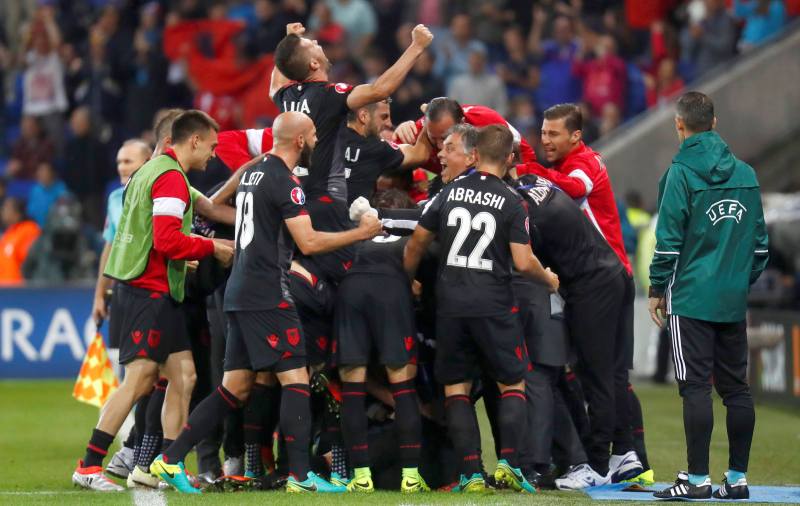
189 379
735 395
692 389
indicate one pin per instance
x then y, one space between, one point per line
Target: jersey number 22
466 223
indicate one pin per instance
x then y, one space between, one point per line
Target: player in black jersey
264 331
482 225
365 156
594 280
375 316
300 83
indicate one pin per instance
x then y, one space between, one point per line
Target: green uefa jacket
711 240
133 241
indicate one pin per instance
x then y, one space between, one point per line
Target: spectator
32 148
452 52
99 88
604 77
763 19
327 30
665 85
358 19
610 118
20 234
145 91
558 84
269 27
519 70
420 86
489 17
86 166
709 41
44 94
523 115
47 190
479 86
374 64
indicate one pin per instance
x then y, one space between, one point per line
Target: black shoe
532 476
682 489
738 490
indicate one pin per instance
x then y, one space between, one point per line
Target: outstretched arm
415 249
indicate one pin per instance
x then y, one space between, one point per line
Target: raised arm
278 80
391 79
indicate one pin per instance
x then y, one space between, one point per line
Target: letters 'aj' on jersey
267 195
326 104
583 176
476 217
363 159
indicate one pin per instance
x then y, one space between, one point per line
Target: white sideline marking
148 498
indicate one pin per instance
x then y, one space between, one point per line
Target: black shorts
149 325
464 344
375 314
269 340
314 303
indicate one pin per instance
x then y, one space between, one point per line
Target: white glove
359 207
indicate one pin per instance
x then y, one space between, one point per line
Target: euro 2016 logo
726 209
297 196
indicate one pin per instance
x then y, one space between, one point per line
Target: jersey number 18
245 229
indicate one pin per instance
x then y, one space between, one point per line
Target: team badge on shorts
297 195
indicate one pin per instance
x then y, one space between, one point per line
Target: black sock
154 407
296 427
272 413
130 442
637 423
202 422
233 436
512 410
140 424
255 412
97 448
339 460
151 444
165 443
407 421
462 427
354 423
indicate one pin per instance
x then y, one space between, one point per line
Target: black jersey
381 255
326 104
363 160
564 239
267 195
476 217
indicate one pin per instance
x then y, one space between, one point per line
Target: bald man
264 330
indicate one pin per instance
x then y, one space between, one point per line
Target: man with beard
264 330
365 156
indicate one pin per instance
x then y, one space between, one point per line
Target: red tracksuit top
583 176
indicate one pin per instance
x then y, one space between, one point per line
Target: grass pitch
43 432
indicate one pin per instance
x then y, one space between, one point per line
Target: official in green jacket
711 245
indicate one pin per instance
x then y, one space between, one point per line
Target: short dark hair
292 62
440 106
191 122
353 114
163 123
570 113
467 133
495 143
393 199
696 110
